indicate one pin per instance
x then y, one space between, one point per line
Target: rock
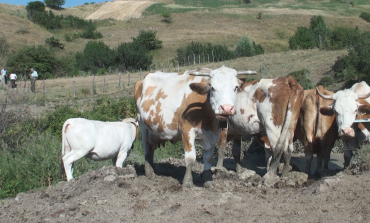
297 177
245 175
128 176
109 178
222 172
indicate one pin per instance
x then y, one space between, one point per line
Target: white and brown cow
348 105
317 132
172 106
267 109
96 140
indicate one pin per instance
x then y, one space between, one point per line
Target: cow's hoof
187 185
238 168
208 184
270 179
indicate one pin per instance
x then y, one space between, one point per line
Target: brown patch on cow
241 111
264 140
249 83
149 90
138 89
259 95
250 116
65 130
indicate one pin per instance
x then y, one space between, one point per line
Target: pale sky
69 3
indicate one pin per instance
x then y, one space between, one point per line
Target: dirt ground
126 195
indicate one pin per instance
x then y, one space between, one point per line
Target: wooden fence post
199 58
103 85
213 57
93 86
178 67
169 66
141 74
74 86
119 81
162 67
128 77
156 66
43 90
194 58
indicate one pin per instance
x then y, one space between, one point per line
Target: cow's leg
207 173
114 160
148 152
222 146
122 155
188 140
307 166
319 159
70 158
287 156
236 151
347 153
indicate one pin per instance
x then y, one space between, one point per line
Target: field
126 195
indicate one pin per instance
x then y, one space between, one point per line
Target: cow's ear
200 88
364 109
327 110
241 81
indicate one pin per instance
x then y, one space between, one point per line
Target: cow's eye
237 88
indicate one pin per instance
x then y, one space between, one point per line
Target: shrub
326 81
321 32
166 17
365 16
303 38
90 33
96 55
302 78
22 31
54 43
342 37
133 56
244 48
148 39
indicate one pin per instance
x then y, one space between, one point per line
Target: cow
316 132
267 109
96 140
347 105
187 107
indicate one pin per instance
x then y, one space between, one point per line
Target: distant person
34 77
13 78
3 74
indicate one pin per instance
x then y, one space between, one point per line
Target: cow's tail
292 113
64 141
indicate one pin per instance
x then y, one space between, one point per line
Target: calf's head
222 87
346 108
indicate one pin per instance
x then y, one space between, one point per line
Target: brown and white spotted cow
317 132
267 109
172 106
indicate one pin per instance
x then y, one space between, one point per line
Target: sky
69 3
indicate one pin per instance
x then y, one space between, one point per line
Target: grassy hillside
215 21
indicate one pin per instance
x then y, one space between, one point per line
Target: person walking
34 76
13 78
3 74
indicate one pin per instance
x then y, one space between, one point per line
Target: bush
39 57
133 56
365 16
148 39
166 17
90 33
244 48
302 78
54 43
96 55
326 81
342 37
303 38
321 32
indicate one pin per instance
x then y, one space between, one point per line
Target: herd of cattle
195 105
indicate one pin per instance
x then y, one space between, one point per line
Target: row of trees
217 52
96 58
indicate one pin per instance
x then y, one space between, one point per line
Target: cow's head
346 108
222 86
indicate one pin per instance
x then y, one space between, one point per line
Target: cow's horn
363 96
247 72
199 73
328 97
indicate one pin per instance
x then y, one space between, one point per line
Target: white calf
96 140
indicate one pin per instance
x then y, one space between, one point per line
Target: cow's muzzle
347 132
227 109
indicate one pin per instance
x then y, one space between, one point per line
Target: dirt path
126 195
120 10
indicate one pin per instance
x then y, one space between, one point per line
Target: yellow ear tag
364 113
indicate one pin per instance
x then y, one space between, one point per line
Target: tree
34 8
133 56
244 48
148 39
54 3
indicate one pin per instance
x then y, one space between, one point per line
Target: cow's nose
348 132
227 109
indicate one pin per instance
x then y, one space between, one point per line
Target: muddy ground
126 195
